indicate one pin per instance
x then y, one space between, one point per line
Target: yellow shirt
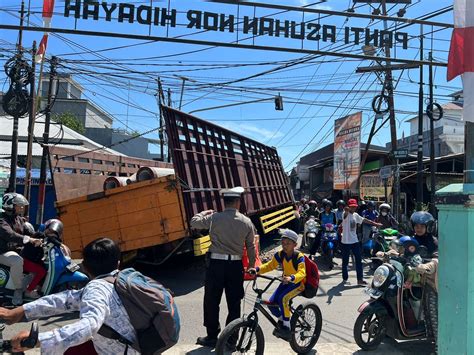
297 274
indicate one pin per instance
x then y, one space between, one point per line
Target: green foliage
71 121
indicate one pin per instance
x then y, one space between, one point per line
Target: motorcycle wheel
369 329
330 257
431 313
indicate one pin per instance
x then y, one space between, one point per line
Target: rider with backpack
109 313
294 280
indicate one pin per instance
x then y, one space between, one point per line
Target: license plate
73 267
373 292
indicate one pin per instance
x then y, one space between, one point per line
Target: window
83 160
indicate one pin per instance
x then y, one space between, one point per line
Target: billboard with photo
347 151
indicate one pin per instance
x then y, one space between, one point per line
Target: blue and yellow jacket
279 258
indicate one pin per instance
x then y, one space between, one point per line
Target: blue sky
122 80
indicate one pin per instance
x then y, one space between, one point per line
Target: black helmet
55 226
327 203
425 218
371 204
341 203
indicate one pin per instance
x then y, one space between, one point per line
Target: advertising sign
347 151
373 186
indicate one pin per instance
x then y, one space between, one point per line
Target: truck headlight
380 275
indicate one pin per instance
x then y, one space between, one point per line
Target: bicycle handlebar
254 285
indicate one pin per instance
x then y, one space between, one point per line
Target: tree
70 120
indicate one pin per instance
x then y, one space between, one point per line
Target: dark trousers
316 244
222 275
346 251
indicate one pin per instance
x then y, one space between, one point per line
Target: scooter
392 310
369 244
62 272
329 243
311 230
382 240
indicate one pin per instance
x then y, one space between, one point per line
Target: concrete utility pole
432 147
160 99
392 120
31 128
44 158
419 177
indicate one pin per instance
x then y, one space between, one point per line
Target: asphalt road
185 276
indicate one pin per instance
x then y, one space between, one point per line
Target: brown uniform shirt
229 231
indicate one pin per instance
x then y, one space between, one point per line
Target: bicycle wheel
238 338
306 323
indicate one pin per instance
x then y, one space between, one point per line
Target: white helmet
385 206
12 199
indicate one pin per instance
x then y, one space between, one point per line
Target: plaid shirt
97 303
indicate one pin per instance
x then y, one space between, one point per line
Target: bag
151 309
312 275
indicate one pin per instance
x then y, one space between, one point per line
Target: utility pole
432 147
392 120
31 127
44 158
419 178
160 99
16 117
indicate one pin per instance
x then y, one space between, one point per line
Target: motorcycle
393 310
311 230
329 243
369 244
62 272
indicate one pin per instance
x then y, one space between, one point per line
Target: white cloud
249 130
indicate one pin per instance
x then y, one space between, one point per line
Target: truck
150 219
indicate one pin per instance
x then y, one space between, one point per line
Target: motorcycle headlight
380 275
311 224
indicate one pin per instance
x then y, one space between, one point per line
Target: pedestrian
350 242
229 231
294 274
98 303
371 214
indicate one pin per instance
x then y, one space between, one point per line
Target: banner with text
347 151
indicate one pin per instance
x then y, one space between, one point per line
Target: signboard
372 185
386 172
400 153
347 151
241 24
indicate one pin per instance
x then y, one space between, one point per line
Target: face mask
384 214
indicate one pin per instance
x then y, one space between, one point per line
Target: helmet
341 203
12 199
324 201
385 206
327 203
406 242
312 202
55 226
425 218
303 200
371 204
28 228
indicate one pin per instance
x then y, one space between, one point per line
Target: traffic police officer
229 232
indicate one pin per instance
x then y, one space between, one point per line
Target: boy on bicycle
294 273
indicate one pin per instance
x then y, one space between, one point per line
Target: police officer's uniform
229 232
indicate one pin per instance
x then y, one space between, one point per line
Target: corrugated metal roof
75 140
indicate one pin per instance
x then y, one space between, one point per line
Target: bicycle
244 334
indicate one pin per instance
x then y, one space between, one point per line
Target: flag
48 8
41 49
461 53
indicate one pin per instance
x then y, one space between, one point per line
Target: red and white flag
48 9
461 54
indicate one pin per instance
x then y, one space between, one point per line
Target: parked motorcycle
392 310
62 272
329 243
311 230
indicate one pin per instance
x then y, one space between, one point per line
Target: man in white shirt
350 242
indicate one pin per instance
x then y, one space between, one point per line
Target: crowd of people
230 232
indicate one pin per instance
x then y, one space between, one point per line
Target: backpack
312 275
151 309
